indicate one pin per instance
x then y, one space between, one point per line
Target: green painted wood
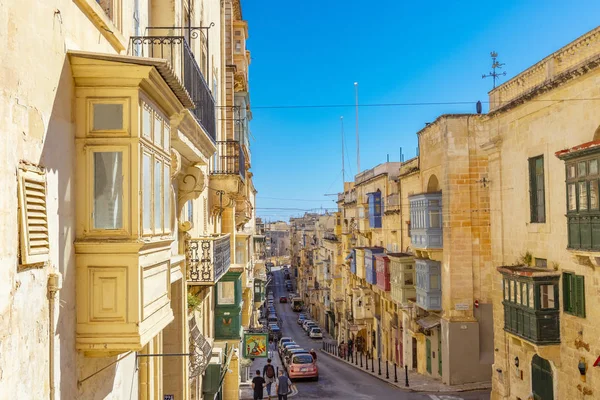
542 384
579 295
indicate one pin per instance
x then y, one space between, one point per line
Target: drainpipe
54 285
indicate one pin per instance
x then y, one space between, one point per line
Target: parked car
286 345
315 333
274 332
287 349
306 322
309 326
284 340
272 319
303 366
301 318
292 350
283 299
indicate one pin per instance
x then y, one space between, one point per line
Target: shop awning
430 321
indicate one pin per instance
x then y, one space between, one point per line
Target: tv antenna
495 65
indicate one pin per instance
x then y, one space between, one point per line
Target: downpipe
54 285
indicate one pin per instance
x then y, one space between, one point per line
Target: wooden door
428 352
542 384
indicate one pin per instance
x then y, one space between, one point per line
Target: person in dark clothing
258 383
284 385
313 353
269 376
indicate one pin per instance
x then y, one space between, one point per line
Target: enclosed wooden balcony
402 276
530 299
429 284
426 221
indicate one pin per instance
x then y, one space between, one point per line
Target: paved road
338 380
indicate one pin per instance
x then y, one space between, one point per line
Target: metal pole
406 375
387 372
357 141
379 365
360 360
395 374
372 365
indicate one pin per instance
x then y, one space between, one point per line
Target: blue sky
311 52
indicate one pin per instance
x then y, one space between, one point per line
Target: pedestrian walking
271 347
313 353
258 384
269 376
284 386
350 345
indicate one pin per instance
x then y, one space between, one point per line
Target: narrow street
338 380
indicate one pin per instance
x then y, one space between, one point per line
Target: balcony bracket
192 183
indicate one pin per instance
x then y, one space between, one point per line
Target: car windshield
302 359
316 330
288 344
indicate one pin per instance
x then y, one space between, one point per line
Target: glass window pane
531 303
147 192
167 190
518 292
434 282
158 133
571 171
547 297
158 196
593 167
108 117
506 290
226 293
524 294
146 122
572 197
167 137
581 170
583 198
594 194
435 219
108 190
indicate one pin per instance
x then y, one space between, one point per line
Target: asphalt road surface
338 380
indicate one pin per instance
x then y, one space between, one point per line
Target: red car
303 366
283 299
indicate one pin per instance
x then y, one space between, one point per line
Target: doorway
414 353
542 384
428 352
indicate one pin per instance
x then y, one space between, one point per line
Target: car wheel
316 378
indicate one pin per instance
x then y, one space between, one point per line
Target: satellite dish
478 107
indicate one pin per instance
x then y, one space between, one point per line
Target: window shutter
567 304
33 216
580 295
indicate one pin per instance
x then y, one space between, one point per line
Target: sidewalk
417 382
246 392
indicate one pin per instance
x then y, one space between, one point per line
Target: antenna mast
495 65
343 171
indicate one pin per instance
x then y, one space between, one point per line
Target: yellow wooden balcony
208 259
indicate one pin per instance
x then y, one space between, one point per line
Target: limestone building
111 145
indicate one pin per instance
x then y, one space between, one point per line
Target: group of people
283 384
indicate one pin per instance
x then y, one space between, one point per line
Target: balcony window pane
167 137
571 171
581 169
530 297
583 198
146 122
158 197
435 219
108 117
518 292
506 290
434 282
572 194
167 196
108 190
524 294
147 193
593 167
226 293
594 194
547 297
158 133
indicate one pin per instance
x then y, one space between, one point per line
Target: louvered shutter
33 217
579 295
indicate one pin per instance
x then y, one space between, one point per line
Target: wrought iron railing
200 349
176 50
230 159
208 259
